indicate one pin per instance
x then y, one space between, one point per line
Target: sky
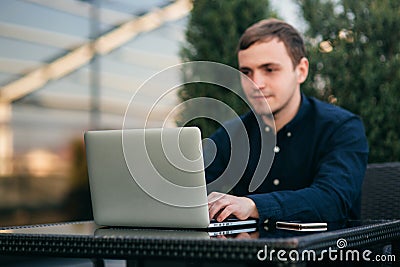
289 11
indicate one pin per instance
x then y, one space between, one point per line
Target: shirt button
266 224
267 129
289 134
276 182
277 149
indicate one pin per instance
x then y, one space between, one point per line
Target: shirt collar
301 113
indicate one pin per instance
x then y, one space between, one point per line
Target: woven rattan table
154 247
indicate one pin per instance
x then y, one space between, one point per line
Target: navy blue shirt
314 171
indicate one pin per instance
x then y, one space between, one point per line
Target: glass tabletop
91 229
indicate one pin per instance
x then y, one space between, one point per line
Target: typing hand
221 206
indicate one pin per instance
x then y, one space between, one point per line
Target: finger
214 196
217 207
226 212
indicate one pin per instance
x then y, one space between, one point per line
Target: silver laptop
149 178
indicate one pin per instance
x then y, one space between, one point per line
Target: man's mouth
266 97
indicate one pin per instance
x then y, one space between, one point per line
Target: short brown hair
268 29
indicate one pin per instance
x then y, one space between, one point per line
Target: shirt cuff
268 207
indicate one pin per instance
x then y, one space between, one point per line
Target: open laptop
150 178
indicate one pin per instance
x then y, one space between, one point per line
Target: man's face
269 66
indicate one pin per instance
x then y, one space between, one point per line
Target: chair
380 197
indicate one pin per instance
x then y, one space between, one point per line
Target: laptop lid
147 177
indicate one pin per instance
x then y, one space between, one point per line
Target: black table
340 245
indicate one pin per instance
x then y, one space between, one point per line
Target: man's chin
263 111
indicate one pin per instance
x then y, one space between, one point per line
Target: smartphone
298 226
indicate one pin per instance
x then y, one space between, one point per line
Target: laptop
106 231
150 178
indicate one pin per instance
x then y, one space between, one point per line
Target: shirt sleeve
336 185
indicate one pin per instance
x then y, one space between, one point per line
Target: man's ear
302 70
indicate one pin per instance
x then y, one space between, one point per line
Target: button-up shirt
312 170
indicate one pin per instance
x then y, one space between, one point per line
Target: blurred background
56 84
68 66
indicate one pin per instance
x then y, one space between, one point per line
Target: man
321 150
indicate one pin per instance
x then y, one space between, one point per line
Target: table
265 246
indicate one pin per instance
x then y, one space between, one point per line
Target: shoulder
327 113
336 125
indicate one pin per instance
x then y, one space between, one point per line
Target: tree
355 63
212 35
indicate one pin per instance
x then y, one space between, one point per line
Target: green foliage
213 32
362 72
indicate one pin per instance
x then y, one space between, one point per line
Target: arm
331 196
336 186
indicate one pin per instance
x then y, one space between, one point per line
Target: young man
321 150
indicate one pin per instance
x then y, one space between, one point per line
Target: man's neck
285 115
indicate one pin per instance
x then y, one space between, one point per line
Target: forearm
331 197
297 205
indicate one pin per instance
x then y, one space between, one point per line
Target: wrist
253 209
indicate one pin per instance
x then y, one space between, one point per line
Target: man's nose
259 80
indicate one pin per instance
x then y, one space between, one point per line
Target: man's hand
221 206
